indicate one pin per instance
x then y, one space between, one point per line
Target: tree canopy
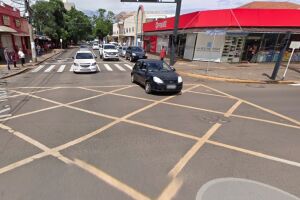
103 23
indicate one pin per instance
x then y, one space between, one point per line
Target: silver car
122 51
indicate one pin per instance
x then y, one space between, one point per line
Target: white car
95 46
109 51
85 61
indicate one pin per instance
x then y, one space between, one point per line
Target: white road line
72 68
50 68
99 70
61 69
129 66
296 84
38 68
119 67
108 67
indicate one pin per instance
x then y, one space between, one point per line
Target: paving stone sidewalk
236 71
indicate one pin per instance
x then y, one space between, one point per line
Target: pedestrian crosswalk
60 68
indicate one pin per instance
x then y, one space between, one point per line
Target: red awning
230 18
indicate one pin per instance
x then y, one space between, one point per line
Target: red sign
230 18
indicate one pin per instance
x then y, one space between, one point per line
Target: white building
68 5
129 32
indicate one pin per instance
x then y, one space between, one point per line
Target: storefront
236 35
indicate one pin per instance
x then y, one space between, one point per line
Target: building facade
228 35
14 32
129 31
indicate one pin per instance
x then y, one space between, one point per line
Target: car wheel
132 79
148 89
131 59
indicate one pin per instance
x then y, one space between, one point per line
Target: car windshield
109 47
84 56
158 66
83 47
137 49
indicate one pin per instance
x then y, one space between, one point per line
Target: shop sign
295 45
6 20
160 25
18 23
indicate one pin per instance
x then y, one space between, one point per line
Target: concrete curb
30 67
232 80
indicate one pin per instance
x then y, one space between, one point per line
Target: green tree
103 23
78 25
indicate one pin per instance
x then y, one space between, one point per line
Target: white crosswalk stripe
50 68
119 67
38 68
296 84
107 67
129 66
61 69
72 68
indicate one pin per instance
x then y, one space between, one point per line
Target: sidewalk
5 73
235 72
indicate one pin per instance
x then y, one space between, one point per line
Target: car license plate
171 86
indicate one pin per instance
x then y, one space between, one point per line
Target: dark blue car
156 76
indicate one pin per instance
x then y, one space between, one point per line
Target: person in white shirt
21 56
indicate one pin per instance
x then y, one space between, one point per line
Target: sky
187 5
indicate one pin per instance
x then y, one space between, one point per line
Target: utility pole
28 14
175 32
285 43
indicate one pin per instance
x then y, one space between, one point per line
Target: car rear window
137 49
109 47
84 56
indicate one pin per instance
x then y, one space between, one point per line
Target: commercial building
68 5
128 30
14 32
246 34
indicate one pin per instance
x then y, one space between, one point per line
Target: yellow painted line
209 94
266 121
188 156
233 108
257 106
36 92
176 133
254 153
111 180
171 190
22 162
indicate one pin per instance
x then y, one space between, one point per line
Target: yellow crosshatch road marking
170 191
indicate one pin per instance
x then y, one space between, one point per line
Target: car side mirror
173 69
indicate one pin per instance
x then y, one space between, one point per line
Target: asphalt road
97 136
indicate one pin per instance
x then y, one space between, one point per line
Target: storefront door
6 41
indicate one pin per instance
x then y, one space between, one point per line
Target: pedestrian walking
38 49
21 56
7 57
163 53
14 58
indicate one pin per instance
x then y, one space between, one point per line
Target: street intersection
97 136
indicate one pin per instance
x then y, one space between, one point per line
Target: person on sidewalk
163 53
21 56
7 57
14 58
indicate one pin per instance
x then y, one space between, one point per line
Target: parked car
95 46
157 76
84 61
134 53
109 51
122 51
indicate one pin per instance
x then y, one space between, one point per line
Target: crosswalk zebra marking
72 68
50 68
129 66
108 68
119 67
61 69
38 68
296 84
99 70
